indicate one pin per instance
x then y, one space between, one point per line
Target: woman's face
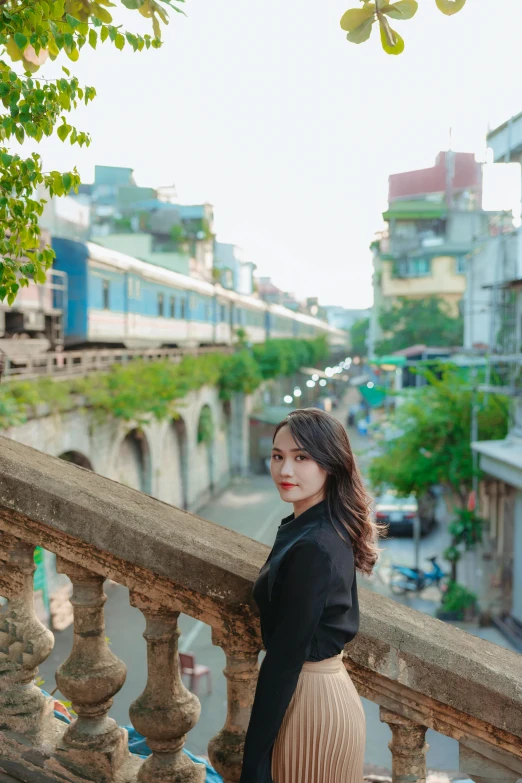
298 478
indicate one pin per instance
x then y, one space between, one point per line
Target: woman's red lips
286 485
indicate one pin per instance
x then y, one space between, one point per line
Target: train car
33 324
238 311
117 300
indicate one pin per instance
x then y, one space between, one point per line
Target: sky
266 111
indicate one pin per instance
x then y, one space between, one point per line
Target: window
412 267
130 287
106 297
207 311
223 314
137 292
172 306
161 303
183 313
460 265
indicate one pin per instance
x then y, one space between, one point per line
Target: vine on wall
135 391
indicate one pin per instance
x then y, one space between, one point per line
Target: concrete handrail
417 668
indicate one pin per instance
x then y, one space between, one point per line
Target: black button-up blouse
307 598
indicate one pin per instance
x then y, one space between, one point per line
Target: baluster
407 746
166 710
225 750
24 644
89 678
486 770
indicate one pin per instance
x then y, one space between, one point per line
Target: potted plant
458 603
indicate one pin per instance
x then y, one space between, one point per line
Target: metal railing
68 364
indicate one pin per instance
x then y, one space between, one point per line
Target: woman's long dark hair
325 440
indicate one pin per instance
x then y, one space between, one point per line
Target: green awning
397 361
415 210
374 396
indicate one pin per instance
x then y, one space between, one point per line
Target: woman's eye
301 456
276 456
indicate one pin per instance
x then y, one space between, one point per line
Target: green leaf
66 70
40 276
58 9
67 181
93 38
355 17
101 13
104 34
361 33
63 131
404 9
6 158
450 7
73 54
119 41
21 41
132 4
392 43
72 22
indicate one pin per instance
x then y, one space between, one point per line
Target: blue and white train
116 300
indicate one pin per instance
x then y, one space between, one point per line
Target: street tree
359 337
433 426
426 321
432 447
33 107
359 22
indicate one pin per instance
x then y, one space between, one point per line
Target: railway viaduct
166 459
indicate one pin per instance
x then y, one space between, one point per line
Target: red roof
468 174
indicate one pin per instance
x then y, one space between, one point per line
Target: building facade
433 217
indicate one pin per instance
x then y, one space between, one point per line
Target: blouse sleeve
305 578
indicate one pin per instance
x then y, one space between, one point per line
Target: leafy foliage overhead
358 22
31 33
426 321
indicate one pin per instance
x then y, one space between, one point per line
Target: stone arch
205 448
132 466
77 458
174 465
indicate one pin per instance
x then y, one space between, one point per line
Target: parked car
398 513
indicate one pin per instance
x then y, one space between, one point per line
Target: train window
183 309
207 311
130 287
172 306
161 302
106 297
137 289
223 313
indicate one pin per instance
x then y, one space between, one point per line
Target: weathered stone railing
422 672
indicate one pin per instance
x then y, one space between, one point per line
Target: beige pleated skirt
323 734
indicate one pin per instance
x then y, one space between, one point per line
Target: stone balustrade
422 672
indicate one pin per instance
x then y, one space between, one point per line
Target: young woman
307 723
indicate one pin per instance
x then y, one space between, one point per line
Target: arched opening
133 461
173 475
77 458
205 448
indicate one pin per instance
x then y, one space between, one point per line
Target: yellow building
423 253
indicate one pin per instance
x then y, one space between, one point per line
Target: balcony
422 672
